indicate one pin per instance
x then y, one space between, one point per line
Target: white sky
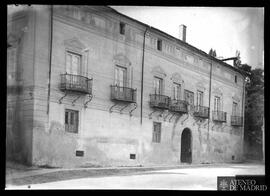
224 29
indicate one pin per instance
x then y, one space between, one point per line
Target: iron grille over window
156 132
180 106
123 94
236 120
201 111
219 116
77 83
159 101
71 121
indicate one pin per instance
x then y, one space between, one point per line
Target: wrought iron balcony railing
159 101
76 83
219 116
123 94
236 121
180 106
201 111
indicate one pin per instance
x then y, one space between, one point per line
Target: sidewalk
20 175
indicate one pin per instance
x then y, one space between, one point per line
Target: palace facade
88 86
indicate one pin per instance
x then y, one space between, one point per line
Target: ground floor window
71 121
156 132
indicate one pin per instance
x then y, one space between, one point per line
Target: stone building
89 86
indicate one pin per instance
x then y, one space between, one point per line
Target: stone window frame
76 120
13 42
120 60
159 44
177 78
74 45
156 134
122 28
200 86
236 99
218 93
158 72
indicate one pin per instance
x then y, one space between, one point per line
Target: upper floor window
217 105
158 85
156 132
199 98
73 63
235 78
120 78
234 109
176 91
189 97
159 44
122 28
11 62
71 121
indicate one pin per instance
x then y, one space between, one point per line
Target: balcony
219 116
201 112
76 83
159 101
179 106
236 121
124 94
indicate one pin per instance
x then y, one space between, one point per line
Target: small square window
132 156
159 44
156 132
122 28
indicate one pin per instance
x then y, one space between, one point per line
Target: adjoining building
88 86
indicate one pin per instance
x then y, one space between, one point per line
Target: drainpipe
142 73
50 62
243 115
210 88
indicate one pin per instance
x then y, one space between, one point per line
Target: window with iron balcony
176 104
73 80
120 90
158 100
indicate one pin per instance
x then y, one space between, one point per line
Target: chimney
182 32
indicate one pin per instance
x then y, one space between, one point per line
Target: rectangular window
120 78
158 83
217 103
71 121
159 44
199 98
156 132
234 109
122 28
73 63
189 97
235 79
176 91
11 62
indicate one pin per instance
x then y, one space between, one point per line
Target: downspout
50 62
210 88
142 73
243 114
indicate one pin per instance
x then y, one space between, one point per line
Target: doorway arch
186 146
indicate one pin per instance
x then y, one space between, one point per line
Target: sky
225 29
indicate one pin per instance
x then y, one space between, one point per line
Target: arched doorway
186 147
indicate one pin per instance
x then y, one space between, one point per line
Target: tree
254 107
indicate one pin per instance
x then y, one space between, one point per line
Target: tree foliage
254 106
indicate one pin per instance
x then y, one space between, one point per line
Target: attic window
159 44
122 28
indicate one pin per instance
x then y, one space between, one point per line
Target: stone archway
186 146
